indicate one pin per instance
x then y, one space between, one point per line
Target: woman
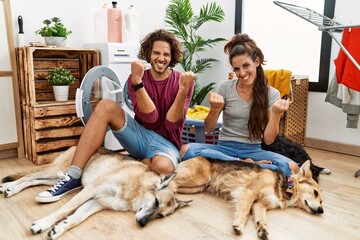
251 112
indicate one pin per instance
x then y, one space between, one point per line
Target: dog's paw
40 226
238 230
8 189
2 187
262 233
325 171
57 230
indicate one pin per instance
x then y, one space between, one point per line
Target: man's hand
216 101
137 72
186 79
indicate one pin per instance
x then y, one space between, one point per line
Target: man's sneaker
65 185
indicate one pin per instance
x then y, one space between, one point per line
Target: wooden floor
206 218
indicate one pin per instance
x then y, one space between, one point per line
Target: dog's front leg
259 212
81 214
48 221
243 200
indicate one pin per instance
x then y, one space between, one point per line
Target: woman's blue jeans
234 151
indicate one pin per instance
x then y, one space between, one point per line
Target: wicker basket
292 124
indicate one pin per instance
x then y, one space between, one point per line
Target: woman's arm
272 127
216 106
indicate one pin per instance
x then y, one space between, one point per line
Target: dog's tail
16 176
12 177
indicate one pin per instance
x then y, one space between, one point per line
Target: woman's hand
280 106
216 101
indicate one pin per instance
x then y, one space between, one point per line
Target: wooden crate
293 123
49 129
34 64
49 126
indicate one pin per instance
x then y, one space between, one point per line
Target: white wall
325 121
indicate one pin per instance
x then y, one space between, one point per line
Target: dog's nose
320 210
142 222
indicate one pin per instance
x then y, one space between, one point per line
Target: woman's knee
293 166
188 151
184 149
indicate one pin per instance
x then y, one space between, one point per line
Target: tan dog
110 181
249 188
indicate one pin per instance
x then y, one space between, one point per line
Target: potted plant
60 78
185 24
54 32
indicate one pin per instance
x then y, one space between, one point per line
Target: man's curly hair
161 35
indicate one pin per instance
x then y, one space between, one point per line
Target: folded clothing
279 79
198 112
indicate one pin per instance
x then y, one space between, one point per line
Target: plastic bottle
132 26
114 23
101 24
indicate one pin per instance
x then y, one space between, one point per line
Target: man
160 96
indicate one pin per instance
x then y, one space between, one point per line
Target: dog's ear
164 182
181 203
305 169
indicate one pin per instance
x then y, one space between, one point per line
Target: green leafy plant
53 28
60 77
184 24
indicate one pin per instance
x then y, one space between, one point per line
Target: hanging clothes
346 71
345 98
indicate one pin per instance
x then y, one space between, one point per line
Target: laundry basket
194 131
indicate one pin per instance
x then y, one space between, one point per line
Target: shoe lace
63 178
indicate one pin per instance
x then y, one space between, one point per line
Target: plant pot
61 93
55 41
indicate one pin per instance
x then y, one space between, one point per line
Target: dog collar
290 188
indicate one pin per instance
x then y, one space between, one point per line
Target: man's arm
143 101
176 111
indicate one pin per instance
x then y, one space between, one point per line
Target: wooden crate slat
55 63
21 78
44 85
58 121
54 111
57 133
55 145
68 53
45 158
42 74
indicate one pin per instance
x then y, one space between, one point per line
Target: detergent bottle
101 24
132 26
114 17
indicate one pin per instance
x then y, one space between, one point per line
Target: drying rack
324 23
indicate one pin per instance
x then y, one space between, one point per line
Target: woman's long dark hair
241 44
